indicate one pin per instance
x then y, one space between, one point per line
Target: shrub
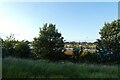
23 49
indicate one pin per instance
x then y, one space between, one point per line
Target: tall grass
23 68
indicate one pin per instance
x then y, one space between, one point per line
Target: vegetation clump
50 45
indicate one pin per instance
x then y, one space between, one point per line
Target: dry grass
69 52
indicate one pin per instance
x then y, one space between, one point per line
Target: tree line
50 45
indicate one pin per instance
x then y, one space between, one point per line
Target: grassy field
23 68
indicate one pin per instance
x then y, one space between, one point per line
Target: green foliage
49 44
109 42
76 55
22 49
11 47
8 46
89 57
109 36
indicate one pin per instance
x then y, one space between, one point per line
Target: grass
24 68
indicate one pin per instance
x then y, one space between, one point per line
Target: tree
109 40
22 49
8 46
49 44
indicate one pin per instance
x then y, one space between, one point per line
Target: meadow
25 68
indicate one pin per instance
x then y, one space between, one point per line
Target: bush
8 46
23 49
76 55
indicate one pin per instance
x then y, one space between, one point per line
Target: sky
59 0
76 21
